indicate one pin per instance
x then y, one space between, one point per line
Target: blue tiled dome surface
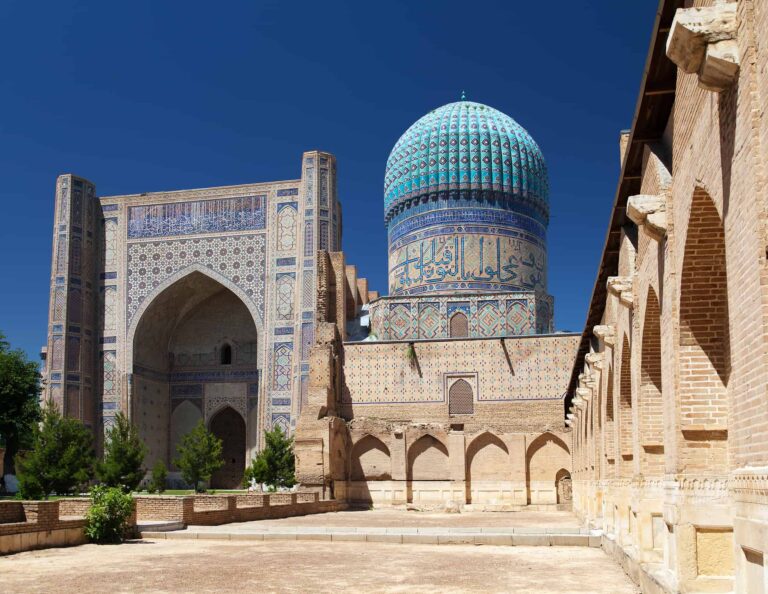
469 148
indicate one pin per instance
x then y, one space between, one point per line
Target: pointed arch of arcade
609 434
625 408
650 403
487 458
428 459
704 353
544 458
370 460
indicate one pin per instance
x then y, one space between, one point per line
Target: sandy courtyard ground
295 566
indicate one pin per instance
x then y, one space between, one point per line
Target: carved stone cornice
649 212
594 360
703 41
606 333
622 287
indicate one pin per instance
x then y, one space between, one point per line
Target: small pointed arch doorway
228 425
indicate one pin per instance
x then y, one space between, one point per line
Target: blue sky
146 95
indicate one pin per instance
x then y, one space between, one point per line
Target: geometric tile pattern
239 258
287 215
281 366
429 320
412 317
284 296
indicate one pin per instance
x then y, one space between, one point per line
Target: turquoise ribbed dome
466 148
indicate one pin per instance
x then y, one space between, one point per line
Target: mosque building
235 305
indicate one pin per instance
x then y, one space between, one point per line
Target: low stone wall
26 525
213 510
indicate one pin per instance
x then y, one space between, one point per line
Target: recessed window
459 326
226 354
460 398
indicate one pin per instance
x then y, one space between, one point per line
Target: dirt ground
392 518
296 566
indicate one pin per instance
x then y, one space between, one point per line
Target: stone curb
467 538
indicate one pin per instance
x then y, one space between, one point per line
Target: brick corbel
703 41
584 393
606 333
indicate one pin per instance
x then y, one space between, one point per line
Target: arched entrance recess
177 363
229 427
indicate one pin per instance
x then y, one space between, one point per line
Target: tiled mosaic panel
323 187
110 243
456 261
109 380
200 216
505 316
307 339
287 217
308 289
284 295
239 259
429 320
109 296
282 420
309 245
281 367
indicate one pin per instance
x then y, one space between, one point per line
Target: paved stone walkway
217 566
402 527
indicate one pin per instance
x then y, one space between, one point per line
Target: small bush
159 475
107 519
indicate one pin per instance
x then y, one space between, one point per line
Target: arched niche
175 355
544 458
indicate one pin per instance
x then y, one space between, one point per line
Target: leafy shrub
107 518
61 458
159 475
274 465
124 453
199 456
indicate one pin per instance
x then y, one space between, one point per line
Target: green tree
199 456
19 408
61 458
274 465
159 475
124 451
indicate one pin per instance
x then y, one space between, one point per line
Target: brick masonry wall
213 510
517 384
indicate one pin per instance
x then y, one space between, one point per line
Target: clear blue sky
149 95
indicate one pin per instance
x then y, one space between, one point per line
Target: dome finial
463 95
